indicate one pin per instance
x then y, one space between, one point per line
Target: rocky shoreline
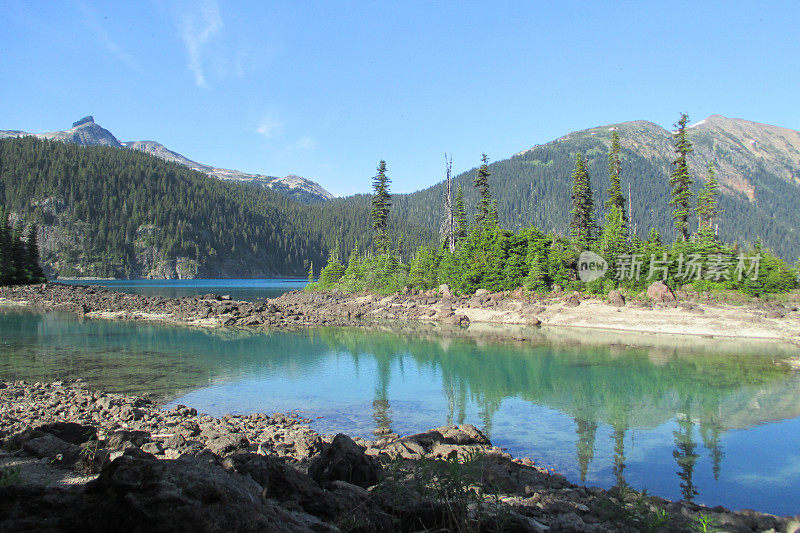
75 458
72 456
665 312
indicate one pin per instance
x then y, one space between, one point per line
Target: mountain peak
714 119
86 132
88 119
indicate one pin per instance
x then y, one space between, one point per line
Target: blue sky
326 89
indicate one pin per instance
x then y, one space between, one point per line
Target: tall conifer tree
485 197
614 234
582 227
681 181
615 196
19 258
32 248
380 208
613 241
6 262
460 215
706 209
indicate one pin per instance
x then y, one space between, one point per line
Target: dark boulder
187 495
52 448
125 438
70 432
463 435
227 443
143 494
344 460
282 482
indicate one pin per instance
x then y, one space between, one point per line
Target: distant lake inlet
239 289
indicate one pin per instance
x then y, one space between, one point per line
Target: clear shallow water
239 289
721 419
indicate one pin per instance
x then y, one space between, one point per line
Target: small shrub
704 523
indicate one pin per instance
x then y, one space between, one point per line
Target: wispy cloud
197 28
243 63
269 127
101 33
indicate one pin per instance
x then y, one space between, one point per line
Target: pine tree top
482 179
484 211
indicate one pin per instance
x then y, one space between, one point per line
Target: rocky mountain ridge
86 132
738 148
758 166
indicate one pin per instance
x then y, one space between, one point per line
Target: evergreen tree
613 237
401 240
473 261
311 272
460 216
334 270
615 196
381 202
7 270
449 270
559 259
706 208
681 181
484 207
494 246
537 259
353 270
424 268
19 258
516 266
582 226
654 237
491 216
32 248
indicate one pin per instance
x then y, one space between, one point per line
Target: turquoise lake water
719 419
239 289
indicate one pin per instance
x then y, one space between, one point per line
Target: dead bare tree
448 231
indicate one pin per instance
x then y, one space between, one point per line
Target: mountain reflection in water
682 417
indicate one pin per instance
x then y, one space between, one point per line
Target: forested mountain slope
108 212
758 168
86 132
